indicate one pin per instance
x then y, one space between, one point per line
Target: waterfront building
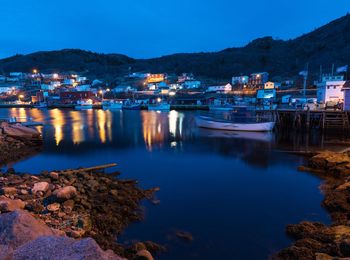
346 91
76 95
329 89
218 89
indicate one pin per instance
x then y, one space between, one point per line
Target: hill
324 46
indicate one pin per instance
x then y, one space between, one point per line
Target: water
235 192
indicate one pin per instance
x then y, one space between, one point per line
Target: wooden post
308 118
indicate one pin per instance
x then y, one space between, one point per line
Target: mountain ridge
326 45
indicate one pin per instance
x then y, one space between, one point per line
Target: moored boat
83 104
159 107
40 105
220 124
128 105
221 107
112 105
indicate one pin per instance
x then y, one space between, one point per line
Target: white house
240 80
269 85
5 90
122 89
330 89
191 84
47 87
223 88
85 87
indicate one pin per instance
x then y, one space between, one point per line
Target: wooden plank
89 169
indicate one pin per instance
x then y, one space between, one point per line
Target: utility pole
305 78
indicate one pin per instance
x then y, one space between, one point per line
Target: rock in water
66 193
63 248
40 186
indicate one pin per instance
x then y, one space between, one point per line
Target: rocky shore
315 240
17 141
83 208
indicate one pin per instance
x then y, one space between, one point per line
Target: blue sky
150 28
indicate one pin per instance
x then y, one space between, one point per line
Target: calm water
234 192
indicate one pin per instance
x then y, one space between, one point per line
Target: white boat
112 105
84 104
40 105
159 107
254 136
212 123
223 107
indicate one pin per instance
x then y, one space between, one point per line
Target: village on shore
141 90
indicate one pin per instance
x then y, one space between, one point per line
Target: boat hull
209 123
219 108
132 107
162 107
83 107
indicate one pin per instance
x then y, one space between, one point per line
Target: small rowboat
212 123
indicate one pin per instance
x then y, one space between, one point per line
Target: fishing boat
83 104
221 124
130 105
221 107
112 105
159 107
40 105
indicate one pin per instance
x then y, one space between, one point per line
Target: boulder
53 207
19 227
66 193
7 204
145 254
9 190
54 175
40 187
63 248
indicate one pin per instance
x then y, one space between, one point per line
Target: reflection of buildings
78 134
58 121
175 123
104 122
153 126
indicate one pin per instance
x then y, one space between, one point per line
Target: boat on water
221 107
40 105
221 124
254 136
84 104
112 105
159 107
129 105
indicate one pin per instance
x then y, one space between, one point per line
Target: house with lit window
330 89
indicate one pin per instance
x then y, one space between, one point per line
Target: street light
35 71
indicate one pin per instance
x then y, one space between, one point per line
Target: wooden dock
308 119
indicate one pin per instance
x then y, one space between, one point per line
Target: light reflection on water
232 190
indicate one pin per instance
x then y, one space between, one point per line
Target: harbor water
234 192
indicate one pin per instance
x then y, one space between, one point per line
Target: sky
152 28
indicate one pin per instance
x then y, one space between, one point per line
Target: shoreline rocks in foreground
76 205
315 240
17 141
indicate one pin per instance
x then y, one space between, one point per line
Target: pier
308 119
